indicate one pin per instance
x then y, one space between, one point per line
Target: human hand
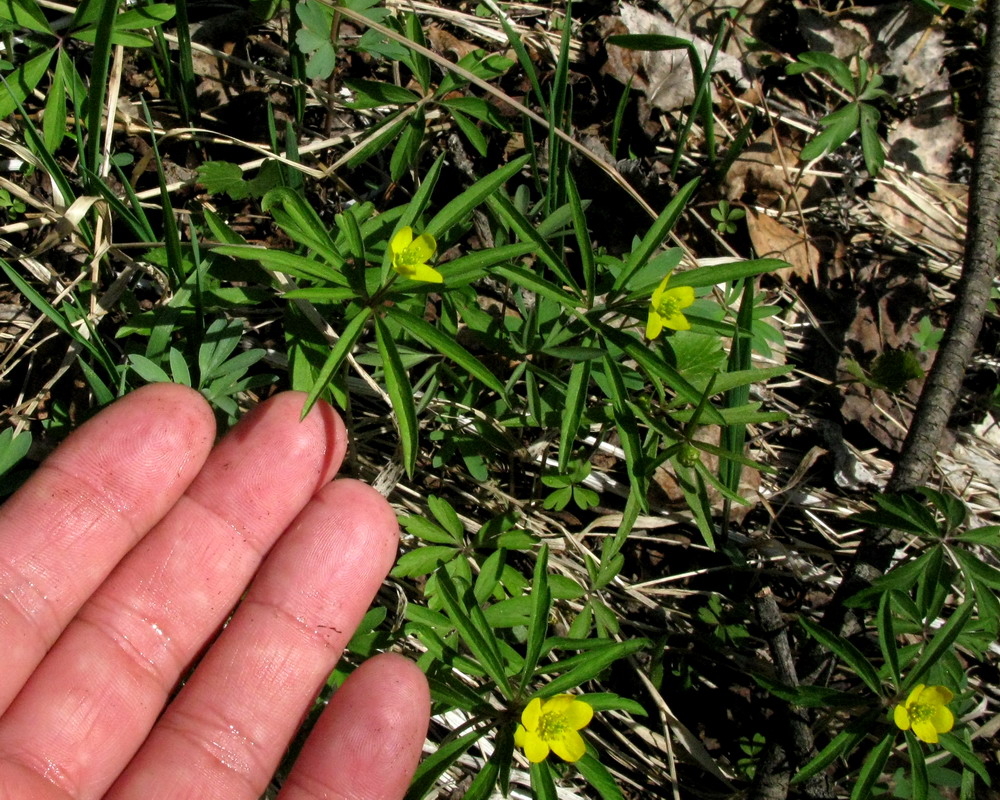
122 556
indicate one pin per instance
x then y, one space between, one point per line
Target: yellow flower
553 724
665 309
926 711
410 256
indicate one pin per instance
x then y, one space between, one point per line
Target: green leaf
529 280
13 448
871 147
377 93
457 209
843 743
149 16
657 367
345 344
423 561
471 131
432 767
657 232
575 402
428 531
812 696
283 261
301 222
838 128
597 775
588 665
847 653
447 346
20 82
887 638
939 645
474 630
954 745
526 231
918 768
725 273
829 64
988 535
54 120
25 14
148 370
397 385
541 602
542 785
404 155
871 770
223 177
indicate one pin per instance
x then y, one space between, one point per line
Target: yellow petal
422 272
534 748
937 695
579 715
531 714
943 720
658 291
654 325
676 322
558 704
683 295
421 249
519 735
923 729
570 746
401 240
901 717
915 694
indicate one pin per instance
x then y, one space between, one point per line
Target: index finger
64 531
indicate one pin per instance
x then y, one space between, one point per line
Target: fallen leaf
774 239
664 76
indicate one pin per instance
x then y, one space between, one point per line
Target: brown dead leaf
927 212
888 312
447 44
663 75
764 172
774 239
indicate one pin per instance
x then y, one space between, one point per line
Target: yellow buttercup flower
665 309
410 256
552 724
926 712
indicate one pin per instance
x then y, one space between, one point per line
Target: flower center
919 711
551 726
668 306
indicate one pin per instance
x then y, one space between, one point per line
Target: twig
944 382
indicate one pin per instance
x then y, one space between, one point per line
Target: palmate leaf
837 129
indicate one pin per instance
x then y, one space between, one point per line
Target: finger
367 742
84 508
93 700
228 728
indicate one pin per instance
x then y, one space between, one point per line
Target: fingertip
321 424
368 741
